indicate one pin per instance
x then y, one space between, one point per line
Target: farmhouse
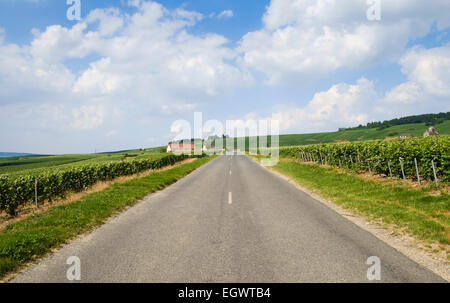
405 136
172 147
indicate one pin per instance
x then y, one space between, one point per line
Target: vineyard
20 166
416 158
54 183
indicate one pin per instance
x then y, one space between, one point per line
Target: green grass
415 211
33 237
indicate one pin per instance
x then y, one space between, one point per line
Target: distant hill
359 134
428 119
4 155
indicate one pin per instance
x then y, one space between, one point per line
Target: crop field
54 176
25 165
55 182
15 164
415 158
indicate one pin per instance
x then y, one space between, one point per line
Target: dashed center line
230 198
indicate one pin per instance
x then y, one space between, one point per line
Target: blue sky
40 14
121 76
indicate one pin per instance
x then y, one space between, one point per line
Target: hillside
416 129
428 119
359 134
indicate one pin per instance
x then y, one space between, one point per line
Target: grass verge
37 235
413 211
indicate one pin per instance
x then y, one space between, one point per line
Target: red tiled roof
181 146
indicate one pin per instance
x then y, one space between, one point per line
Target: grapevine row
383 156
51 185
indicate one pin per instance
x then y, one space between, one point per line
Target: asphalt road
229 221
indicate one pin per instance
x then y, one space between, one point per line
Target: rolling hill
416 129
359 134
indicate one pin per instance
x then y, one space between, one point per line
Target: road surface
229 221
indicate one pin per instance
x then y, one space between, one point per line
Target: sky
120 77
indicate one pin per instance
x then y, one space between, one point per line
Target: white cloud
430 68
149 68
135 3
405 93
342 105
308 38
225 14
148 65
110 20
427 88
95 81
87 117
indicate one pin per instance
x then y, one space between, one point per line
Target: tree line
428 119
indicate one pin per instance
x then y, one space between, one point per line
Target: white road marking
230 199
230 171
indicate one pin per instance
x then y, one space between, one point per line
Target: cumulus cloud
428 73
406 93
429 68
425 91
147 62
342 105
110 20
308 38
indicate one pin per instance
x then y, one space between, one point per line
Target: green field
416 129
17 166
362 134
